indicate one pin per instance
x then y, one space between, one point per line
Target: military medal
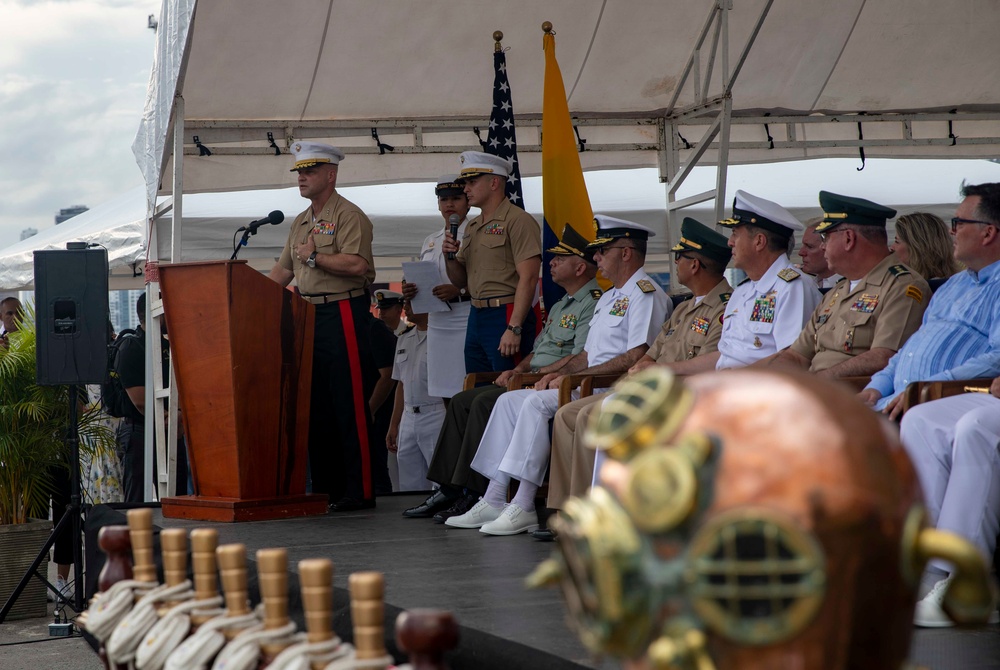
619 307
756 342
568 321
849 342
763 308
700 325
866 304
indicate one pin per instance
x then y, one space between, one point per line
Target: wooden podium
242 349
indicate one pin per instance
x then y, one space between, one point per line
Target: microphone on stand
274 218
453 222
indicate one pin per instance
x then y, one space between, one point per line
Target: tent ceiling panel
919 54
421 72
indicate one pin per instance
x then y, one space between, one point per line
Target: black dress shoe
435 502
351 505
544 535
461 506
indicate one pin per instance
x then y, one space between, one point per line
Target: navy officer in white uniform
516 443
445 330
768 310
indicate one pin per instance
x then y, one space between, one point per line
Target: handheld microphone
274 218
453 226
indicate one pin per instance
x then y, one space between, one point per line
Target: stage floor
480 579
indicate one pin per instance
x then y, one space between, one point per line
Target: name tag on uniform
700 325
325 227
763 308
619 307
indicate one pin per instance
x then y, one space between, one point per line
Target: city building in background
121 309
69 212
28 232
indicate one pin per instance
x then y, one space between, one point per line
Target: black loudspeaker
71 316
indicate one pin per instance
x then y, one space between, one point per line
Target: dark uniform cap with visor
838 209
608 228
448 185
573 244
749 209
699 238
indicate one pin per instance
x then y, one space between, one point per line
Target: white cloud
73 77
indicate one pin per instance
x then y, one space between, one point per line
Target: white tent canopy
642 77
404 213
118 225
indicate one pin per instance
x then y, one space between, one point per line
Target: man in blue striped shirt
960 334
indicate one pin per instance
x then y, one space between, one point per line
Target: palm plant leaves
33 424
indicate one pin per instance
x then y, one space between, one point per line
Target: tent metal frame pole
163 391
926 130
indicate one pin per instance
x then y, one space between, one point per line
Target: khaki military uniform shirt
492 249
882 311
567 327
693 329
341 228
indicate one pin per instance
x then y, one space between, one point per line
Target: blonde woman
924 243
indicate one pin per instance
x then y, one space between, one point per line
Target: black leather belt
461 298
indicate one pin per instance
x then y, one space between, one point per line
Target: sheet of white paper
425 275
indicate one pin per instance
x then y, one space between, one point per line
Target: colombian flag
564 192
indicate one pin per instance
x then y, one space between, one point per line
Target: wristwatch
311 261
514 329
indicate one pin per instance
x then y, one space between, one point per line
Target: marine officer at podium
329 253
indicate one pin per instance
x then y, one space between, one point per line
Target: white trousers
418 433
954 444
516 440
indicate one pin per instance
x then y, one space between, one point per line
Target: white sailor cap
308 154
476 163
608 228
386 298
750 209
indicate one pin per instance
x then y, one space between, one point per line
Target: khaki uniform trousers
572 466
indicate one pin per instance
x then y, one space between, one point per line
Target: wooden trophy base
205 508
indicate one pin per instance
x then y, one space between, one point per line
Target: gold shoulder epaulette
596 294
645 286
789 274
724 297
896 270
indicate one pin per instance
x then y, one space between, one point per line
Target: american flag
501 139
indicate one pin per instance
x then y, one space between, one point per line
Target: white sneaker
512 521
63 587
480 514
929 612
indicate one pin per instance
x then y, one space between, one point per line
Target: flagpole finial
497 36
547 27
